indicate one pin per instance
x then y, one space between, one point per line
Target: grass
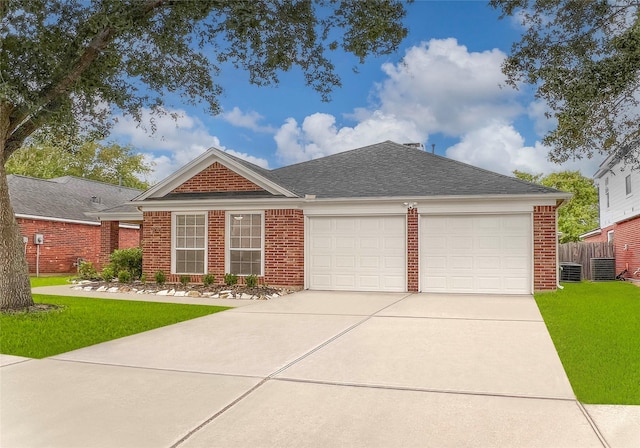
52 280
596 330
86 321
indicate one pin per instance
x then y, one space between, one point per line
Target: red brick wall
627 233
412 250
284 247
216 242
65 242
129 238
544 248
216 177
156 243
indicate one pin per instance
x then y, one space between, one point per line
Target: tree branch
20 127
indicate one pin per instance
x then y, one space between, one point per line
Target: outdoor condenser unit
570 272
603 269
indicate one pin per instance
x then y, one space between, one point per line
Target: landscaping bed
239 292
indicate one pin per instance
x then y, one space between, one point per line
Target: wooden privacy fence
582 253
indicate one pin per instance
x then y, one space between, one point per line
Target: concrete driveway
312 369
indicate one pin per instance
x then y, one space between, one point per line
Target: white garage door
476 254
357 253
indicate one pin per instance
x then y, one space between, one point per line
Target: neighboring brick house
386 217
619 203
57 210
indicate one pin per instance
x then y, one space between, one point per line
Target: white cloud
443 87
500 148
319 136
249 120
181 136
438 87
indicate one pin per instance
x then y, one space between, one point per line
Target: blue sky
443 86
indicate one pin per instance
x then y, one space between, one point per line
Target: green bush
86 271
108 273
124 276
208 279
127 260
251 281
185 279
230 279
160 278
143 278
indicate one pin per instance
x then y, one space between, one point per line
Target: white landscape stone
101 289
180 294
164 292
113 289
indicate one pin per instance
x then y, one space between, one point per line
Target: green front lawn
596 330
84 321
50 280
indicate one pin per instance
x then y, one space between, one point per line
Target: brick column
109 241
412 250
545 243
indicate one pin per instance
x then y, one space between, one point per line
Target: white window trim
610 236
630 193
173 242
227 238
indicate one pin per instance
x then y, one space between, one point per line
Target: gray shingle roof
65 197
390 169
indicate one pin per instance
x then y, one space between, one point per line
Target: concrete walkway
316 369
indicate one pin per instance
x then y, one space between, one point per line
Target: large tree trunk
15 289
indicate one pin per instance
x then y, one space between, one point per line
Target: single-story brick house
386 217
54 213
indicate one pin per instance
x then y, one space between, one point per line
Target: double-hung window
245 243
190 243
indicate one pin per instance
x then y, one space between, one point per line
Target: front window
190 243
610 236
245 243
627 183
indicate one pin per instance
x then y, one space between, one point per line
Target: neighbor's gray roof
65 197
390 169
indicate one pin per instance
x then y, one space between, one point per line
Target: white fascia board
219 204
590 233
123 216
203 161
50 218
388 205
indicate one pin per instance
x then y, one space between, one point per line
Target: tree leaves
580 214
583 58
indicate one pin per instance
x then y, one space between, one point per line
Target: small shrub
230 279
127 260
208 279
251 281
124 276
185 279
143 278
86 271
108 273
160 278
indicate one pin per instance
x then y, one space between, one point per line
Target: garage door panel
366 253
481 253
395 264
